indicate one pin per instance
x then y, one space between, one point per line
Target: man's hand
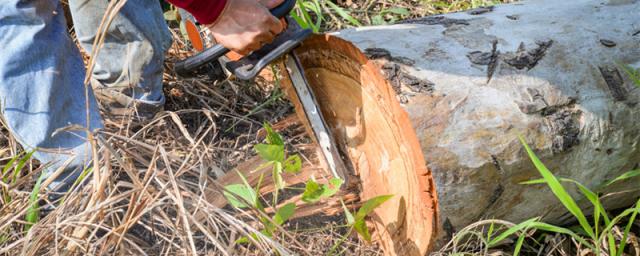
246 25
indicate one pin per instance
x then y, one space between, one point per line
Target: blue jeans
42 73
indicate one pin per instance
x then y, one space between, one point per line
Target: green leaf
293 164
627 229
590 195
595 201
284 213
243 240
555 229
624 176
510 231
8 166
313 192
370 205
277 175
273 137
348 215
299 19
558 190
361 227
270 152
33 213
634 75
377 20
533 182
490 231
21 165
305 20
359 224
246 240
399 11
344 14
237 194
269 227
332 188
519 243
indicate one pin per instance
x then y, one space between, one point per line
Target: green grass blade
590 195
555 229
8 166
371 204
595 201
533 182
490 231
308 22
620 216
21 165
519 243
612 244
348 215
623 242
298 19
344 14
512 230
559 191
624 176
33 212
633 74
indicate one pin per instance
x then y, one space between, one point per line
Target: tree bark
549 71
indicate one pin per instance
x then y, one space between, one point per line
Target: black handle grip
187 66
283 9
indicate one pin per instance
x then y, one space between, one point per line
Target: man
42 74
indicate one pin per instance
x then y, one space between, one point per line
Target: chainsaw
248 67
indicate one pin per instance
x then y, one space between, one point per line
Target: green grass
592 232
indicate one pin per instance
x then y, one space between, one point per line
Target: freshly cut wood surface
377 139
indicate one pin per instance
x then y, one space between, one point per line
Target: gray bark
547 70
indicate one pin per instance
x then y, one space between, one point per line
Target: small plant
357 221
390 15
634 74
273 152
33 212
591 233
313 14
17 162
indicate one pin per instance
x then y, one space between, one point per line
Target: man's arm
240 25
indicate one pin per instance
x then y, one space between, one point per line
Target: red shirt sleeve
205 11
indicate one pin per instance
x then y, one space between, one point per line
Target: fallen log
457 90
550 71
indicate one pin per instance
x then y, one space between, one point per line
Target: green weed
591 233
634 74
33 212
273 152
314 14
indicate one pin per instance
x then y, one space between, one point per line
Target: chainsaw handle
283 9
187 66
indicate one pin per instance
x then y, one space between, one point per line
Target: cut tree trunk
550 71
